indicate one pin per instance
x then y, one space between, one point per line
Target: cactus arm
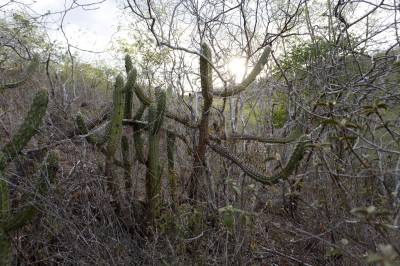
144 99
10 223
291 165
128 64
28 73
249 79
129 88
32 122
294 136
83 130
93 139
180 119
25 215
28 128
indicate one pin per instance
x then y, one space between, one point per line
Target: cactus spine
153 175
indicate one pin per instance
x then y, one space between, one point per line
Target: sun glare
237 68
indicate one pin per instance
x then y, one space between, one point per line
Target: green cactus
137 136
128 64
113 135
291 165
28 73
125 148
199 155
129 88
249 79
153 175
29 127
142 96
206 73
171 166
11 222
91 138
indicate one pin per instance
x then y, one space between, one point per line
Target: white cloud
87 28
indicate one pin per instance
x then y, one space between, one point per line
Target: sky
88 28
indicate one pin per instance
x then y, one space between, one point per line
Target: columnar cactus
113 135
129 87
125 146
153 176
8 221
171 166
207 92
125 149
29 127
137 136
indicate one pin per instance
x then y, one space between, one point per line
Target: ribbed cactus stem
28 73
125 148
171 166
11 222
161 106
5 248
4 193
200 151
251 77
128 64
129 88
137 136
153 195
82 128
113 135
153 175
5 241
144 99
29 127
206 73
291 165
9 152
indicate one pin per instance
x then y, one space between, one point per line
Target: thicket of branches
174 160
